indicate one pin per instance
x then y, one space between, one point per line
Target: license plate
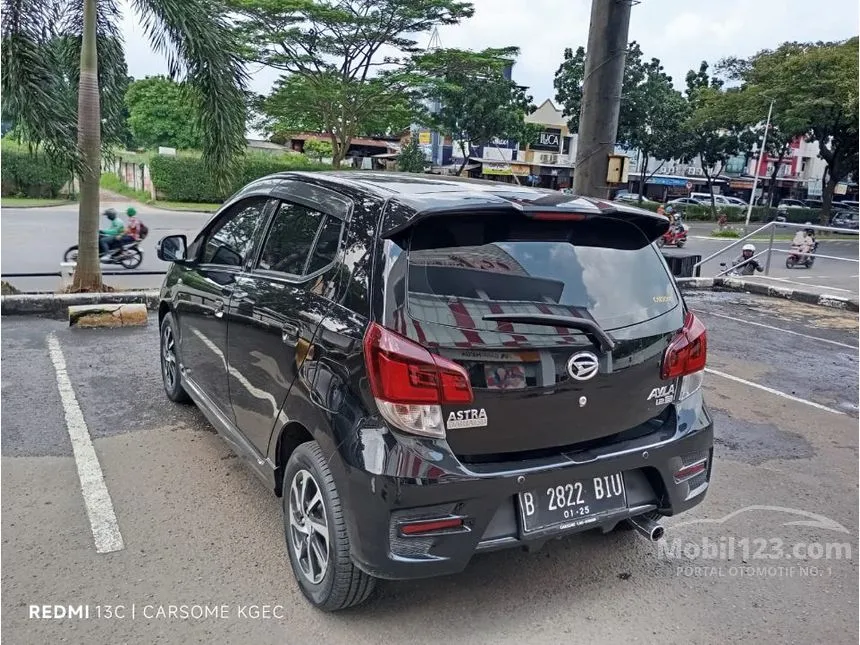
572 503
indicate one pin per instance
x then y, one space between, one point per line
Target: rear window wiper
591 329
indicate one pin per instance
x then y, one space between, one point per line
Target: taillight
410 384
687 352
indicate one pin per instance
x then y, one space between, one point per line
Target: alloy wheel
168 357
309 533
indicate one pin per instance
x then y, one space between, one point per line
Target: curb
108 315
797 295
56 305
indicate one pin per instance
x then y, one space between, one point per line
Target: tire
172 380
810 262
338 583
132 259
661 242
790 262
71 254
680 243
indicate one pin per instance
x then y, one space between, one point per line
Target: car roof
428 192
428 195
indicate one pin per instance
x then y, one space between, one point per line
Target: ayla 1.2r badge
662 395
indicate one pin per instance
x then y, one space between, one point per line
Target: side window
327 243
233 237
290 238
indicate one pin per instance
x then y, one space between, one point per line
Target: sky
681 33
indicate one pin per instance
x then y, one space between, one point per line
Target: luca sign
549 139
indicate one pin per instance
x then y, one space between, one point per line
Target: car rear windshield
602 269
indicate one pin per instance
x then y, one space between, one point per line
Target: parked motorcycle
128 255
796 258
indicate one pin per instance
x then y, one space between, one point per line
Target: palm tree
37 37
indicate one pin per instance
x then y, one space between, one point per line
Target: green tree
568 83
477 103
330 50
814 90
322 104
411 157
711 130
162 112
651 110
194 35
317 150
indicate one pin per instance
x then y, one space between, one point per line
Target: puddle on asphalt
755 443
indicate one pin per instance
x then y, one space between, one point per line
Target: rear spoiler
603 218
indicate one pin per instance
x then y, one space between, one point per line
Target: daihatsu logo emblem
582 366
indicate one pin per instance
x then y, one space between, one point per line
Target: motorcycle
803 259
128 255
675 236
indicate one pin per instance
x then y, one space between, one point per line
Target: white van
706 197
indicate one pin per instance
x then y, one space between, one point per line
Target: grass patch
7 289
201 207
728 233
111 182
32 202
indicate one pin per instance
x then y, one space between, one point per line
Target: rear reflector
687 353
401 371
431 526
688 472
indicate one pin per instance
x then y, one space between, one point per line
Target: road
34 239
198 529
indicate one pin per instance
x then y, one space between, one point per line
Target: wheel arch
290 437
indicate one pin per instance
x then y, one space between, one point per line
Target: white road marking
772 391
780 329
96 497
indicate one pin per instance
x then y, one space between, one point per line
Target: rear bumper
378 498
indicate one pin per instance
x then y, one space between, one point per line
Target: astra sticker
467 419
662 395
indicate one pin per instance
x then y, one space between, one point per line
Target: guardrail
772 226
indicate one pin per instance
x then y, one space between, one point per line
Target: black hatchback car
426 368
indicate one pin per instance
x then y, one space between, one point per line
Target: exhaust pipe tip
648 527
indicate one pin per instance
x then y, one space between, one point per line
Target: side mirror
172 248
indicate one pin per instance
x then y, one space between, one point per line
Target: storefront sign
549 139
741 184
424 138
521 170
667 181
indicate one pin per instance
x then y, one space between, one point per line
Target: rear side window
291 236
461 272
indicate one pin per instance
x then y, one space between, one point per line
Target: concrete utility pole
601 95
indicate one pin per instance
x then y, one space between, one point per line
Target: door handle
289 334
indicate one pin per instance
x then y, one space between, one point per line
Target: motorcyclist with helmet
112 236
804 240
745 265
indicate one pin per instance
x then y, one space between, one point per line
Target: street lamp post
758 163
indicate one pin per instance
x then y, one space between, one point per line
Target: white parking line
772 391
96 497
779 329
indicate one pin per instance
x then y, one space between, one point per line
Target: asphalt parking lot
195 527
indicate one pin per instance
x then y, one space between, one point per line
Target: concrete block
108 315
